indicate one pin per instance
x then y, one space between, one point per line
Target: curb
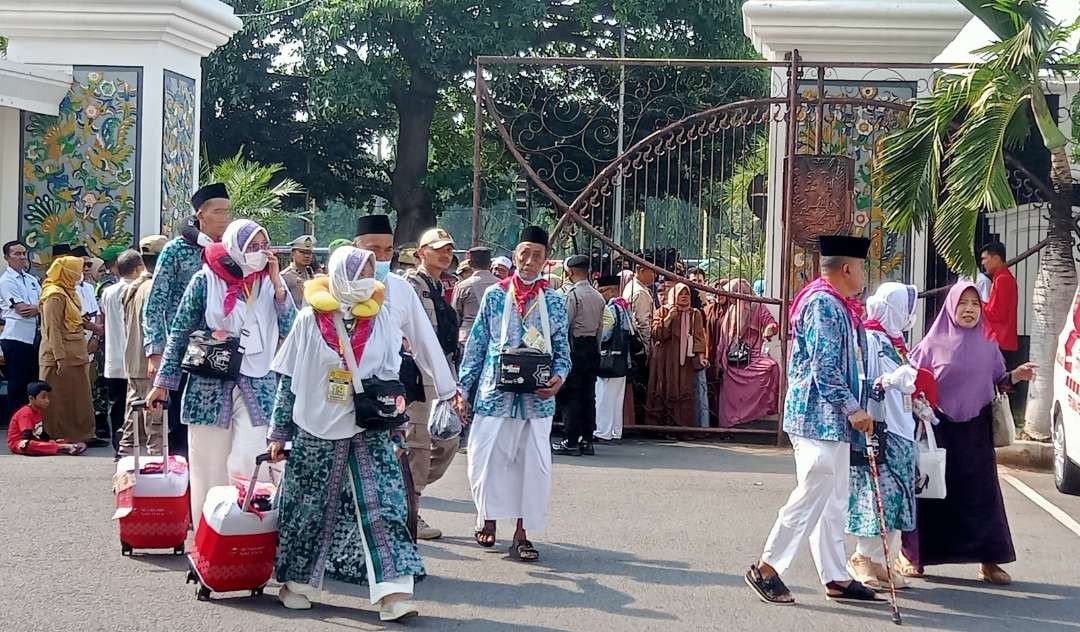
1032 455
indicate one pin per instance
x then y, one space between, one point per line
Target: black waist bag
381 406
523 370
211 357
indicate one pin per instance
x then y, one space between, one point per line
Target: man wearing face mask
179 260
427 460
509 440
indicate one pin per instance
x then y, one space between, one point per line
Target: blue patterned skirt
320 517
897 477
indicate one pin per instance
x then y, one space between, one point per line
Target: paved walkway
645 536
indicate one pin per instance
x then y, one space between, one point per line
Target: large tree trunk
1050 302
415 109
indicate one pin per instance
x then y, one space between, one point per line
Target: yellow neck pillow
317 294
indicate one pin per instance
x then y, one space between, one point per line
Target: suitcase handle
139 406
259 460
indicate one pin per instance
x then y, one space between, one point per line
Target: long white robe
609 407
510 469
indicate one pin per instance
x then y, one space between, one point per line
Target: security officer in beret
300 270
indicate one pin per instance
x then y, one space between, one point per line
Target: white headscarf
893 305
344 269
237 237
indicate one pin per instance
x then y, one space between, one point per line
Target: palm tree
252 190
948 163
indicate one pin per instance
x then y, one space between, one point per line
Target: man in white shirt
19 294
129 266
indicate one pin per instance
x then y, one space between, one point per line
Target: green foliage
256 191
934 169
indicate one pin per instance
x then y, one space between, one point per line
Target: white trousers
510 469
815 511
609 407
218 455
874 549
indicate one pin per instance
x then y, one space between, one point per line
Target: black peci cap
207 193
844 246
374 225
534 235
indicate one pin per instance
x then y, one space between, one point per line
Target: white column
117 39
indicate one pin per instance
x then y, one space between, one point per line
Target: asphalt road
645 536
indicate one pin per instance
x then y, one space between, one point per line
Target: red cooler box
235 542
152 499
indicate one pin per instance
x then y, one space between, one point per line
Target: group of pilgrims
349 492
344 508
853 383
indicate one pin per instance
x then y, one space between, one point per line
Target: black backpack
616 354
446 319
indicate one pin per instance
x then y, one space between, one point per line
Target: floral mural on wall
856 131
177 151
79 169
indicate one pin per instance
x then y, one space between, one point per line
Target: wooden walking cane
871 456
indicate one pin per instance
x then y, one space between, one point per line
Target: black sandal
524 551
485 537
769 590
855 592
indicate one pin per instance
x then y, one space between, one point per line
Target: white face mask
353 292
254 262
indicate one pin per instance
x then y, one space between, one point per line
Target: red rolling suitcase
152 497
235 542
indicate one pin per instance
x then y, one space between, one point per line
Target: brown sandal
996 575
524 551
485 537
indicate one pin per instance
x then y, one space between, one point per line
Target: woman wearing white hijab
890 312
239 293
343 510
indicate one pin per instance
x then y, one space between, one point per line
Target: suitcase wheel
179 550
191 578
126 549
203 593
257 592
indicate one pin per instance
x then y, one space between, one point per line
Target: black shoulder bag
615 353
523 369
379 404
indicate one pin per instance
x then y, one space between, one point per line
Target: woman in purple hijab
969 525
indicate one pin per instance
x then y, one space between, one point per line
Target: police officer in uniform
300 270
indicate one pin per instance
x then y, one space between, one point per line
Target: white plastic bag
444 422
930 469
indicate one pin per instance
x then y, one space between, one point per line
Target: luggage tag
339 381
908 407
533 338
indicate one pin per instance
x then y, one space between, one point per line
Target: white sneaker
424 531
398 610
865 571
293 600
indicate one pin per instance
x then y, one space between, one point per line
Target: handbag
410 376
878 439
524 369
738 353
379 404
217 357
929 465
1003 424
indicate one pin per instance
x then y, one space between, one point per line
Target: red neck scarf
522 293
897 341
852 304
358 337
221 264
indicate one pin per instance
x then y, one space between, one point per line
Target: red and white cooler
235 543
152 497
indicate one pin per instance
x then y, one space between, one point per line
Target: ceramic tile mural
854 131
80 169
177 150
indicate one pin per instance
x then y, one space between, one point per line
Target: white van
1066 422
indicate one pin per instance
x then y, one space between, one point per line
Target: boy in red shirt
999 311
26 432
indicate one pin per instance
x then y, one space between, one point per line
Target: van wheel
1066 473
